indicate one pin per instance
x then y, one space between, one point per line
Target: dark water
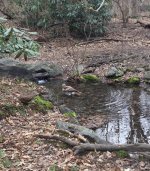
126 109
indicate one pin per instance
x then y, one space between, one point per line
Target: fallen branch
145 24
107 61
104 39
109 147
55 137
82 148
78 129
79 136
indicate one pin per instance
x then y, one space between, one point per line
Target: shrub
78 16
17 41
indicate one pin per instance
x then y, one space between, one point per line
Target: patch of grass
9 109
4 161
122 154
1 139
2 153
38 142
118 80
74 168
54 168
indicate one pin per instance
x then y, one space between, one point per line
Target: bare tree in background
127 8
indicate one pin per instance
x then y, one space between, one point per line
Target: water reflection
127 110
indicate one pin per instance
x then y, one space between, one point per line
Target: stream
127 109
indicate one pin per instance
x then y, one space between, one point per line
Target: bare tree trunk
135 8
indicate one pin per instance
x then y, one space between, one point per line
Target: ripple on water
127 110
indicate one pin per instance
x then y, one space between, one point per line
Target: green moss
41 104
118 80
122 154
54 167
1 139
70 114
4 161
90 77
133 80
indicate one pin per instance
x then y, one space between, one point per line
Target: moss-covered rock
114 72
89 78
41 104
133 80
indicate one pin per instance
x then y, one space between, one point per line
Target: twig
104 39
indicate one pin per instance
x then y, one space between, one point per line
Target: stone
70 91
147 75
25 99
113 72
39 70
64 109
140 69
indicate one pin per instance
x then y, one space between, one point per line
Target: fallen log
80 148
109 147
77 129
145 24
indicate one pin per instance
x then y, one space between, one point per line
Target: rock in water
113 72
70 91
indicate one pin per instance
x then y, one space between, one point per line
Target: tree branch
109 147
100 6
55 137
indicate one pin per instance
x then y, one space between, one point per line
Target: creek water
127 109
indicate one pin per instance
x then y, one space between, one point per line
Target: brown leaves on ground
28 153
25 152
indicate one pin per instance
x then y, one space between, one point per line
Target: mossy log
77 129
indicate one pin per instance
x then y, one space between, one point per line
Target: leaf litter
24 152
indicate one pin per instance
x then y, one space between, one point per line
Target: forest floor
21 151
121 47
